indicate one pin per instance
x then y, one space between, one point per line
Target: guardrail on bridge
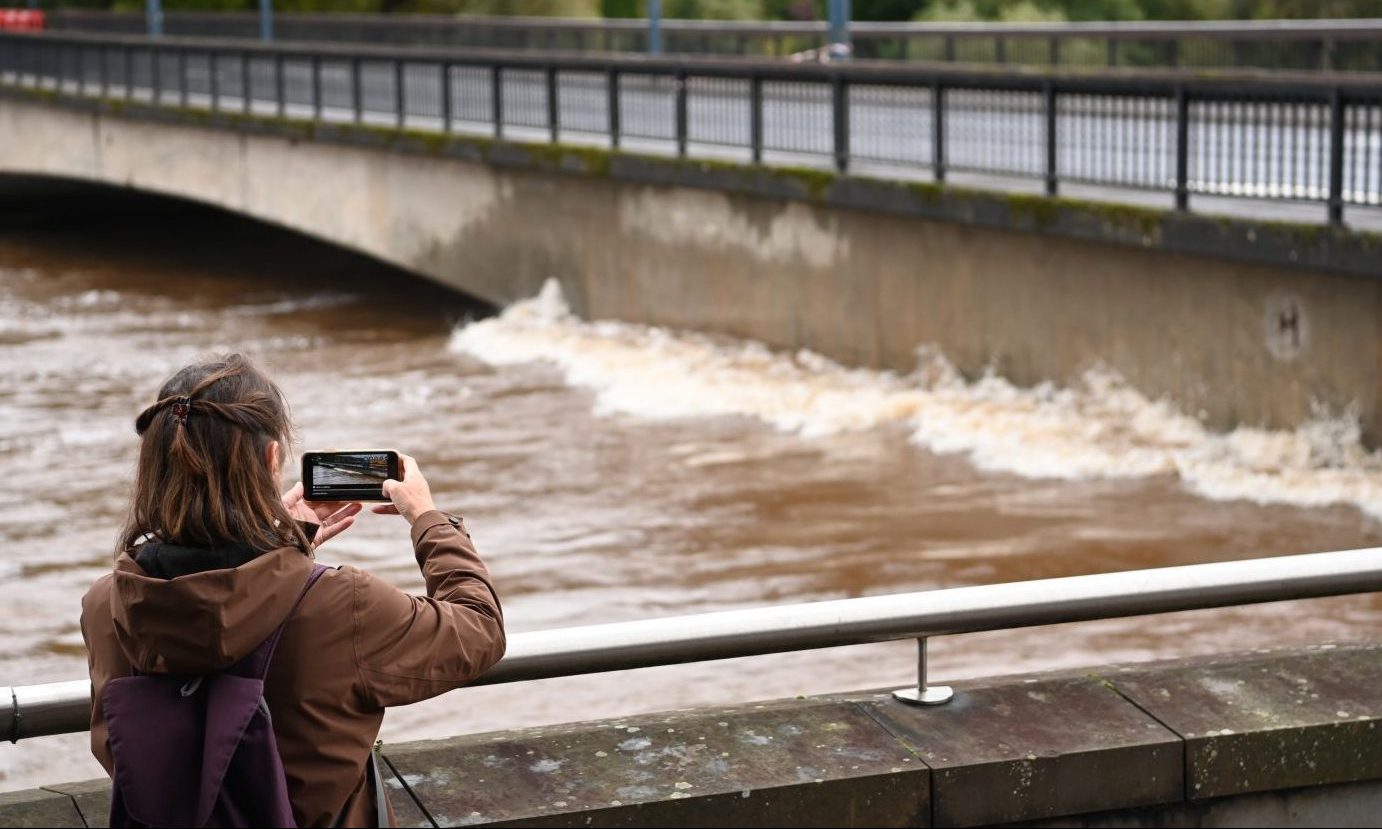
1281 138
1347 45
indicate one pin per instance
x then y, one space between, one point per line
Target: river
613 472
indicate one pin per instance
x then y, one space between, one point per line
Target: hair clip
182 407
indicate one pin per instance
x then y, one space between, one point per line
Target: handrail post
756 118
1336 157
182 78
279 85
937 130
356 91
317 87
1051 160
400 96
1182 149
680 80
156 73
213 60
839 96
446 93
496 85
924 694
553 106
246 83
612 107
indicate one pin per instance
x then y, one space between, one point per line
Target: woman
212 560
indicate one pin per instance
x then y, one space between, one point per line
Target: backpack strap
256 663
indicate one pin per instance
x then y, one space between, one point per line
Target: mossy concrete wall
1268 738
1247 323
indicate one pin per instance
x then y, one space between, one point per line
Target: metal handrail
1142 82
64 707
1302 29
1175 140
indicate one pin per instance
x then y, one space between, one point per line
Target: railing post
156 73
182 78
1051 162
102 59
246 83
81 70
280 93
950 50
356 92
839 94
1053 51
1112 52
400 96
756 118
496 85
681 113
937 130
612 107
1336 157
1182 149
129 73
317 87
924 694
213 58
1173 53
446 93
1000 49
553 106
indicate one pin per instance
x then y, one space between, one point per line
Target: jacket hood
203 621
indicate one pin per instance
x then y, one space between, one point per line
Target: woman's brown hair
203 478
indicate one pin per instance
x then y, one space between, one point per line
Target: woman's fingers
384 509
293 496
330 531
336 523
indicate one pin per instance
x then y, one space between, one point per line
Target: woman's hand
333 517
411 496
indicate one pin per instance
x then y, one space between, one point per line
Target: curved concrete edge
1208 741
1305 245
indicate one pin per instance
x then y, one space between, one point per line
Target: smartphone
356 475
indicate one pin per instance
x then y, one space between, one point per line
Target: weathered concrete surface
1115 746
791 763
863 272
1270 723
37 807
92 799
1343 804
1015 751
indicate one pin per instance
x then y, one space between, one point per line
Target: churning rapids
612 471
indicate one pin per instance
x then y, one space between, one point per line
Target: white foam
1098 428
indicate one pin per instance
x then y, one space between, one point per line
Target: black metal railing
1300 138
1297 45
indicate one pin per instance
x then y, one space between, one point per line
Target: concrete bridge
1246 321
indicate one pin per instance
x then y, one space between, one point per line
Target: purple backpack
198 750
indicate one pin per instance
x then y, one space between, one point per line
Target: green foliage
525 8
713 9
923 10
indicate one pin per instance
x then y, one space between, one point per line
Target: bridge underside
1241 342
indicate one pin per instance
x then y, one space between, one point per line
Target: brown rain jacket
355 646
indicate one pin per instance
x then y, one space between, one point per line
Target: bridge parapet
1267 737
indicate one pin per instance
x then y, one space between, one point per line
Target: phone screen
348 476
